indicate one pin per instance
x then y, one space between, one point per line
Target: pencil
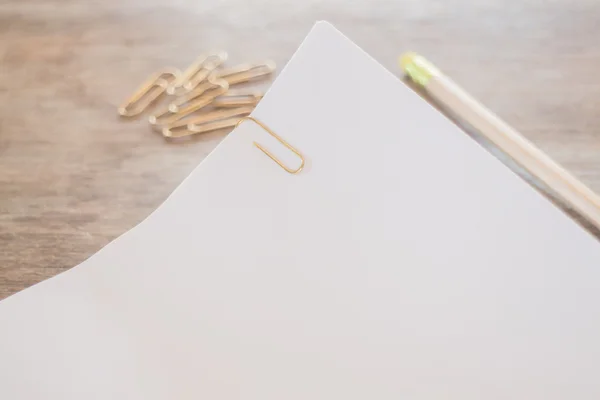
444 91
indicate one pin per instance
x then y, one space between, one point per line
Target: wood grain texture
73 176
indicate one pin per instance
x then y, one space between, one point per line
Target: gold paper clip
213 120
174 112
280 140
210 64
244 72
196 73
237 99
176 86
197 92
148 92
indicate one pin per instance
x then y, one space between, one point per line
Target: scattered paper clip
207 67
197 92
237 99
148 92
174 112
244 72
196 73
175 88
202 85
210 121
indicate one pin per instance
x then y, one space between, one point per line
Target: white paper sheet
405 262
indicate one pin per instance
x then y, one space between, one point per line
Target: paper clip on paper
148 92
280 140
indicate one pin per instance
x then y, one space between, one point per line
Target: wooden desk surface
73 176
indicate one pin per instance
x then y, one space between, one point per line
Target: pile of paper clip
199 97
